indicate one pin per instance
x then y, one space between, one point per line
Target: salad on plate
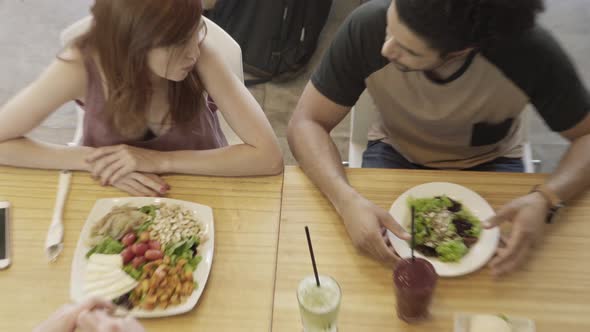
144 257
444 227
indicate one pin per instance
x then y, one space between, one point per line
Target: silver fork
54 240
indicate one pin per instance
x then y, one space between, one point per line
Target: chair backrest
527 148
362 116
223 43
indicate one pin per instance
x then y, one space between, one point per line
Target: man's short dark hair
454 25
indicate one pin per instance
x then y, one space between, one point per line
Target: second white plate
477 256
201 274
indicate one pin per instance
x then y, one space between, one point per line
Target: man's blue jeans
382 155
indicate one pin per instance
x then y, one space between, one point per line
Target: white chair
223 42
527 149
364 113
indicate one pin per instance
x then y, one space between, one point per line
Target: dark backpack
277 37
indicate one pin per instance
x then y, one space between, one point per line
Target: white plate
104 206
477 256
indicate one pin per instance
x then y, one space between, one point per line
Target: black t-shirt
473 118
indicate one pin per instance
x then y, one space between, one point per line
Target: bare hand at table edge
365 223
101 321
142 184
64 319
527 215
111 163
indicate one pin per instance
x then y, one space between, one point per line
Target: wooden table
239 293
553 288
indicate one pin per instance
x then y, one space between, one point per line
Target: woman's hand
64 319
142 184
101 321
112 163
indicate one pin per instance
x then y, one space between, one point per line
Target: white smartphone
4 235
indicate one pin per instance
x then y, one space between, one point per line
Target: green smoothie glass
319 306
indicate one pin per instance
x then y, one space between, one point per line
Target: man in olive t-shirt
450 79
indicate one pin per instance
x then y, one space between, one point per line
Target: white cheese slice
113 294
97 284
115 289
122 291
93 275
109 260
100 268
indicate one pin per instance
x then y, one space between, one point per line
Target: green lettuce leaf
451 250
107 246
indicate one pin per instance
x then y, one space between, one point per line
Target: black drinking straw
413 234
315 268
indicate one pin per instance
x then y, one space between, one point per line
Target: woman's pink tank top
202 133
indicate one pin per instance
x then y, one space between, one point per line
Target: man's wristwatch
555 203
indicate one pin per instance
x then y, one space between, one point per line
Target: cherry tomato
127 255
154 245
129 239
137 261
153 254
139 249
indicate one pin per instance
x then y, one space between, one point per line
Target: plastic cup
319 306
415 281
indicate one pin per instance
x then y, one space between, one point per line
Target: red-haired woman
143 73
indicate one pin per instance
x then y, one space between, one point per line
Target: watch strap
551 197
555 203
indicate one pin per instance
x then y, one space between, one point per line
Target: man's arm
62 81
309 138
572 176
335 86
528 213
310 141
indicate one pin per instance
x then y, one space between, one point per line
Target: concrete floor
29 39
